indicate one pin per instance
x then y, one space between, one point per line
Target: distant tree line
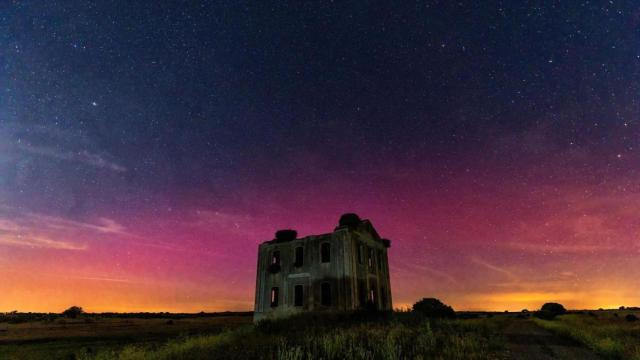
15 317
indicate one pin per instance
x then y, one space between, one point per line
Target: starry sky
147 149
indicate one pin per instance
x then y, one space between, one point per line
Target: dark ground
528 341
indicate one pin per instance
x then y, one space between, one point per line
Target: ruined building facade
344 270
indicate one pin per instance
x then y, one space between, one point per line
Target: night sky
147 149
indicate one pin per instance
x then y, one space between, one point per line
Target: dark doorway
362 293
298 293
325 250
299 256
325 294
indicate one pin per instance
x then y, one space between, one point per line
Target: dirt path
528 341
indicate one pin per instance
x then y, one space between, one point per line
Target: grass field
68 338
605 332
398 336
336 337
394 336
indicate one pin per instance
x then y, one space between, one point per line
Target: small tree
544 315
73 312
549 311
434 308
554 308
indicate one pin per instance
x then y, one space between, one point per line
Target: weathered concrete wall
353 282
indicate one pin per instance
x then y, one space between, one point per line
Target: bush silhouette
554 308
434 308
544 315
73 312
631 317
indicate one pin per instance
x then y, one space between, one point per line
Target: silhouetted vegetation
544 315
610 336
73 312
433 308
362 335
631 318
554 308
549 311
15 317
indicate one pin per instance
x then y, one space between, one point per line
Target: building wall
345 274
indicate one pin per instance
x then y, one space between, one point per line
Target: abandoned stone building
344 270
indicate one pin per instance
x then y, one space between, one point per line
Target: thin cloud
92 278
476 260
12 239
35 230
104 225
560 248
39 230
83 156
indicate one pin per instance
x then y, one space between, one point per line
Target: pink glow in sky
474 240
146 150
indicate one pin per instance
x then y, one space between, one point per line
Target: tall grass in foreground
314 338
603 332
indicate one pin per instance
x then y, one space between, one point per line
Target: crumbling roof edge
274 241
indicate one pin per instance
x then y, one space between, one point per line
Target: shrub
431 307
555 308
73 312
544 315
631 317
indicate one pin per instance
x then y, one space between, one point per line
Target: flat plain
587 335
